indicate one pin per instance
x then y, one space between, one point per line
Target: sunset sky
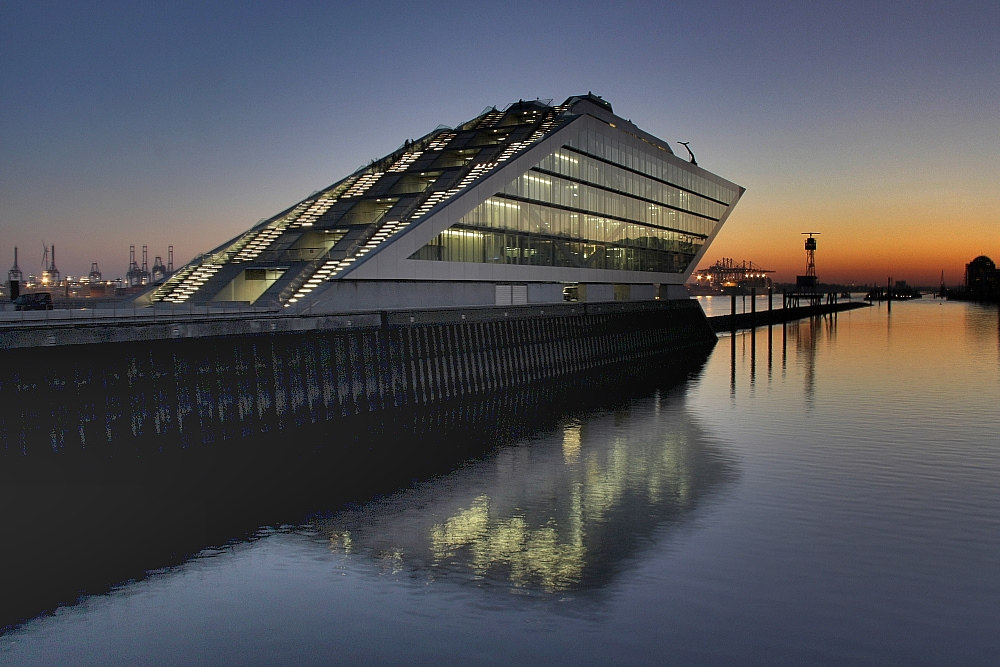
874 123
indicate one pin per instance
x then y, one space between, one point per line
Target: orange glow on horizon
859 246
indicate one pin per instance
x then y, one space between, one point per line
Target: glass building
532 203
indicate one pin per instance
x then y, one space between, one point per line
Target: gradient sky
875 123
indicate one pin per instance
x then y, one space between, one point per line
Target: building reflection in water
560 512
981 324
530 513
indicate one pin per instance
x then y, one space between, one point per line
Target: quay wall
128 388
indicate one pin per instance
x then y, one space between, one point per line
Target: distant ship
899 292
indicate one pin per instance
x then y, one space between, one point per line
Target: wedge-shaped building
529 253
534 203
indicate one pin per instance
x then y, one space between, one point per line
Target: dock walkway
721 323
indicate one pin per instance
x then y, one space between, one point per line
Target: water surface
821 492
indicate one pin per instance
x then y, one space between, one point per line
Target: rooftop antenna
685 145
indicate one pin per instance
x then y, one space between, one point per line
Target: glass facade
596 203
373 205
609 197
620 153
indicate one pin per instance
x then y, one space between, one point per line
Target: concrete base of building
361 295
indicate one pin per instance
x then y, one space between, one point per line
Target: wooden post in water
753 306
732 356
770 336
784 344
770 298
732 310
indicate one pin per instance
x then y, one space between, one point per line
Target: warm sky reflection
918 370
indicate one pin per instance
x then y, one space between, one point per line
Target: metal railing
130 313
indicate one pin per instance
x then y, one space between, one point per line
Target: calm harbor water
824 492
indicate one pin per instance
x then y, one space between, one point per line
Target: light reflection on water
557 513
824 492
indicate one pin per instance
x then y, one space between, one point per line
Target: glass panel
575 210
608 148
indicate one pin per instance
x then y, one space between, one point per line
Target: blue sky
185 123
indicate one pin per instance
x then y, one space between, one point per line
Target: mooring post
770 298
770 342
784 345
732 357
753 306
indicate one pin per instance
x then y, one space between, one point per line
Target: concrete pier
134 385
